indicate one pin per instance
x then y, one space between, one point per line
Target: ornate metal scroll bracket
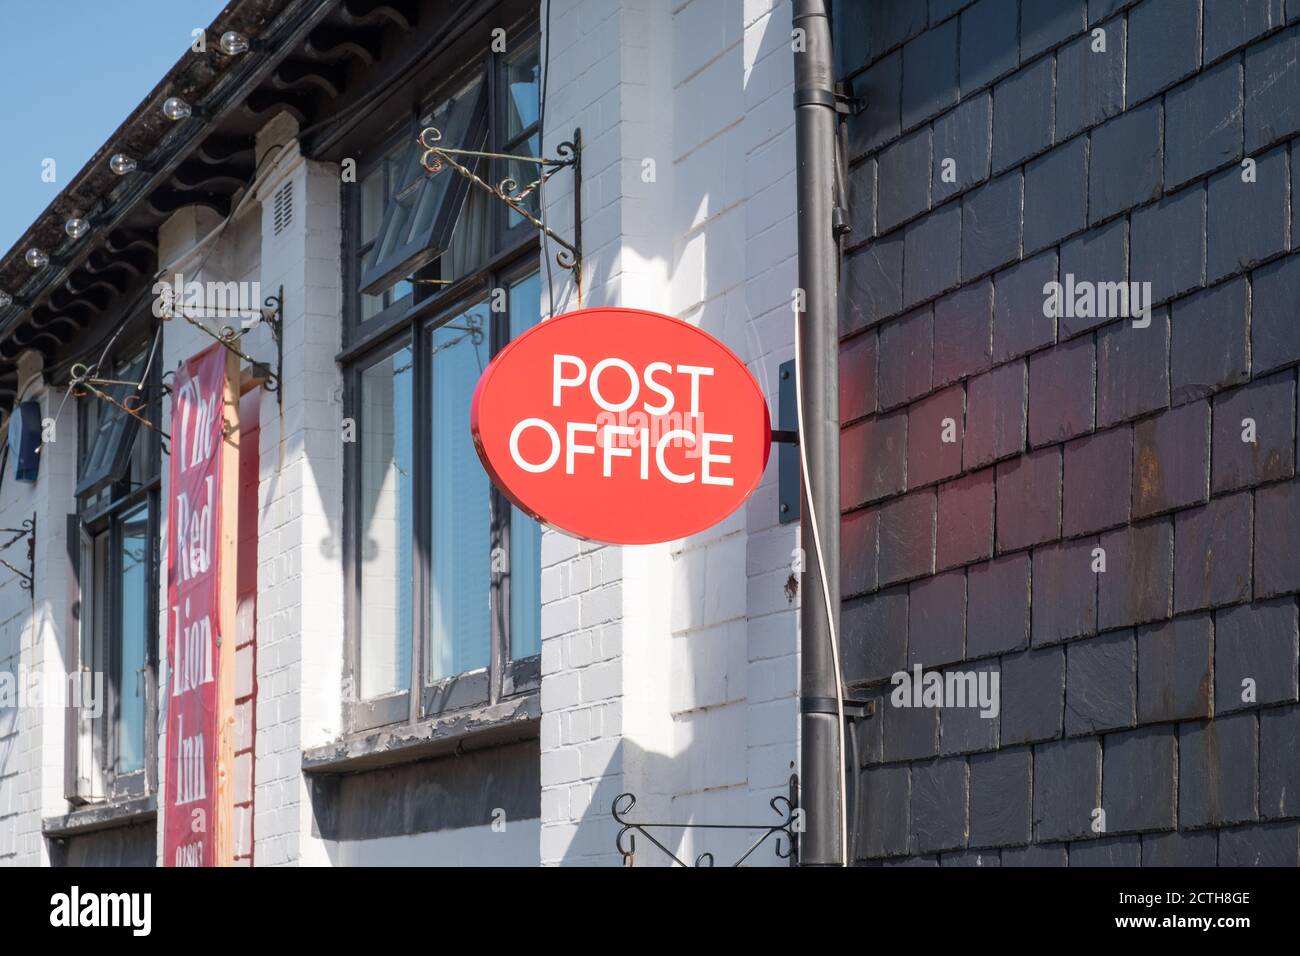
230 338
789 826
508 191
84 381
26 579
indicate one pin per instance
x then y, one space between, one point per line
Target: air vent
283 207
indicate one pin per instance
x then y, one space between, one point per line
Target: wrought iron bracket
789 826
508 191
272 315
26 579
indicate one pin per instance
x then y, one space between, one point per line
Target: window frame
103 506
504 677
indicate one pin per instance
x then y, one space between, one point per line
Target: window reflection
460 573
133 623
386 572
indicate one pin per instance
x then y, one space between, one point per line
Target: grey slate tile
1065 591
1230 24
1273 89
935 426
1167 244
903 170
995 415
1203 123
1221 315
1277 539
1024 113
932 254
999 798
1020 324
1279 770
989 47
997 606
1033 695
936 627
1164 45
1270 404
906 347
1098 486
939 795
1247 222
858 376
963 332
1274 332
1132 369
1171 460
1098 256
875 635
1218 771
1138 582
1062 392
929 74
872 458
1177 848
871 284
1139 780
1125 166
1056 194
1090 82
1212 554
907 537
962 135
991 217
1273 844
1033 483
1175 667
1067 788
858 535
1100 684
1257 644
965 522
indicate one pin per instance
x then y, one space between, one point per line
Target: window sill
471 728
101 816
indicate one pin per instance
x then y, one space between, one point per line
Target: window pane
372 204
133 624
523 88
108 424
384 538
525 533
417 227
524 174
459 622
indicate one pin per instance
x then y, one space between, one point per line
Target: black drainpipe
816 158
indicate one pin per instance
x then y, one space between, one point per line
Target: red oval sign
621 426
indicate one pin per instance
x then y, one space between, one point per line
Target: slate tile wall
1102 509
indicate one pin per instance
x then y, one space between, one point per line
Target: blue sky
70 72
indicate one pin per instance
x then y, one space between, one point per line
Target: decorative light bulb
37 259
6 300
233 44
122 164
175 108
76 227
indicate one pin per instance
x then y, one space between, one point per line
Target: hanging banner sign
621 426
200 600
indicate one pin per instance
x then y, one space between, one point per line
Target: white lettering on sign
618 441
192 774
193 665
194 533
196 433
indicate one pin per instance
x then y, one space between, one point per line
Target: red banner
192 814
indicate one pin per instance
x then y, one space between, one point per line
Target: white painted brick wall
698 706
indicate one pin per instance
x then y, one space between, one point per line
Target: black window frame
105 502
409 321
